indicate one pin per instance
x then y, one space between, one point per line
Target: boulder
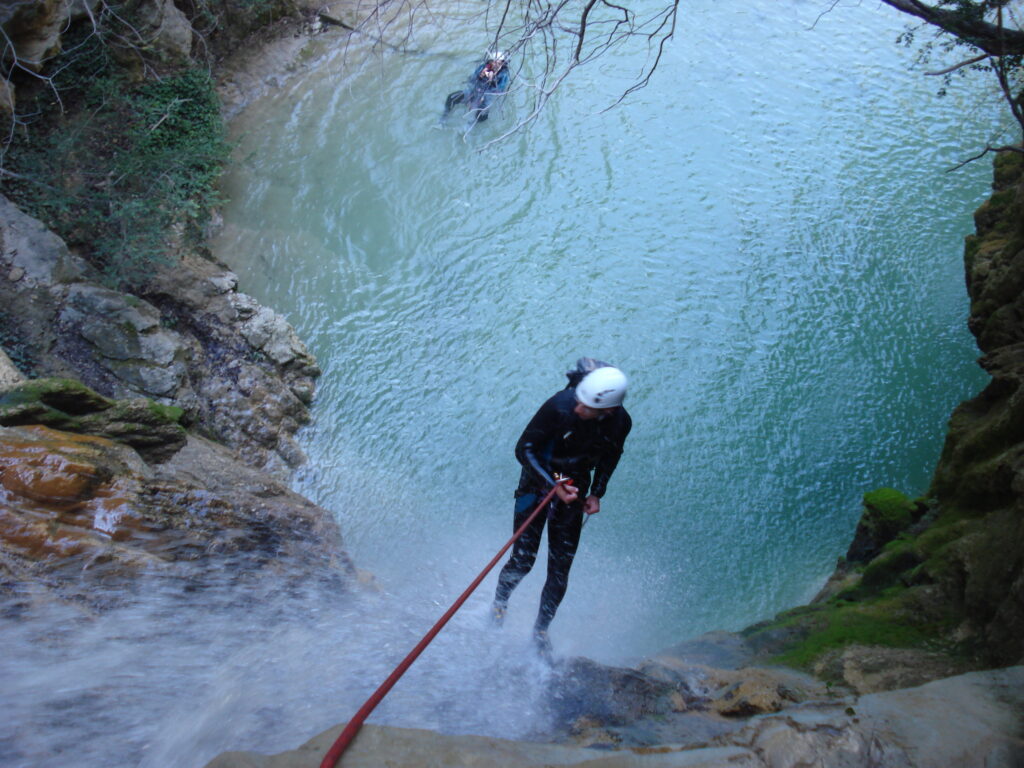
127 339
581 688
164 29
38 255
870 669
78 509
33 30
151 429
190 340
754 694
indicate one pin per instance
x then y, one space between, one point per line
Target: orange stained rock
58 439
56 495
114 511
58 468
38 537
50 478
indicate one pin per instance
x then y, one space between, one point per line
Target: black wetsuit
557 440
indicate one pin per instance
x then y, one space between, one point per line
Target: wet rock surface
78 512
236 369
153 430
973 720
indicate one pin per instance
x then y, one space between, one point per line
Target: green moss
65 395
169 413
1007 169
971 244
887 505
887 513
995 214
841 625
938 536
118 164
885 570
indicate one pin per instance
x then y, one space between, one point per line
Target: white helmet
602 388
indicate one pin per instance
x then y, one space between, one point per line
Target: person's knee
523 562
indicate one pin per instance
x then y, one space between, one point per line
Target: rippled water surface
766 239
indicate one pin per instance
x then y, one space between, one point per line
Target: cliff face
104 483
935 585
145 431
979 481
236 369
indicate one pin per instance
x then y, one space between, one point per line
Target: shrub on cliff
115 168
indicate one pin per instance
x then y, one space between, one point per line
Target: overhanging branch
988 37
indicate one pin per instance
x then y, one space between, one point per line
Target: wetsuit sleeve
609 458
538 437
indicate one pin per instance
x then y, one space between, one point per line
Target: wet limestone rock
125 338
78 510
10 376
190 340
870 669
377 746
971 720
151 429
581 688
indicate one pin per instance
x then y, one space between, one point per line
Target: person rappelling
489 81
580 430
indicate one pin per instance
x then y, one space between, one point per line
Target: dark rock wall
979 481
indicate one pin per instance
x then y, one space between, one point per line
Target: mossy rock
68 396
152 429
887 514
971 245
1007 169
839 624
995 214
886 570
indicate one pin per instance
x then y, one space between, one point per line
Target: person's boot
542 643
498 611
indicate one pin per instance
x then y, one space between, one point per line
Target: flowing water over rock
765 239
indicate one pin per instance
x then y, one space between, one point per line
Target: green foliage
116 166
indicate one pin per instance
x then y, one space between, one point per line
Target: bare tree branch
988 37
985 151
961 65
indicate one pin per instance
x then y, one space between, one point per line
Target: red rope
349 733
